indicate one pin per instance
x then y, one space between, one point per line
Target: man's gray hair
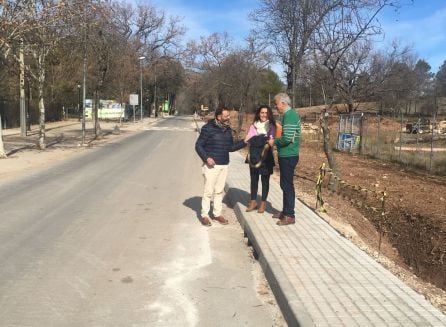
283 97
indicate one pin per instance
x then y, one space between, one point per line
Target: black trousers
255 184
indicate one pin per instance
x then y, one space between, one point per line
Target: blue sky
202 18
420 24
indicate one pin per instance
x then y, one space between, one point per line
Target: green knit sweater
288 144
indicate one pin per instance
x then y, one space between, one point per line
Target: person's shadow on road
232 196
194 203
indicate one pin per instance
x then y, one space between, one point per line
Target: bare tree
353 68
167 76
105 39
40 42
13 24
229 76
339 36
39 25
56 33
207 57
157 33
241 74
394 78
290 25
148 32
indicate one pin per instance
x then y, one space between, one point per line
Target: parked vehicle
422 125
442 127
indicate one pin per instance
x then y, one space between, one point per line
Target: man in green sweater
288 151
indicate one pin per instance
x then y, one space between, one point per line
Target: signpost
350 132
133 102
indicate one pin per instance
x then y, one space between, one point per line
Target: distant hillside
422 107
368 107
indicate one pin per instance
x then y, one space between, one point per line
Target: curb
291 307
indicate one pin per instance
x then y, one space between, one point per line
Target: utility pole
154 96
140 69
22 91
84 82
79 105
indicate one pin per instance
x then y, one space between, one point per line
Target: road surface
112 238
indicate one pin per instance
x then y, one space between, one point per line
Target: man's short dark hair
219 110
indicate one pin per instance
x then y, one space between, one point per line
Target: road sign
134 99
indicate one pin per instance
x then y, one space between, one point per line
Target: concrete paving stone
324 324
393 324
361 323
328 321
387 316
349 321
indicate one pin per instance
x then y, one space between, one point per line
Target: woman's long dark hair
270 114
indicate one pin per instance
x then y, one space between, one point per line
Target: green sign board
166 106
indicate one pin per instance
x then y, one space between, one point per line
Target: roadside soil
412 242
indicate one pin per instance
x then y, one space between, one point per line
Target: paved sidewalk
320 278
67 133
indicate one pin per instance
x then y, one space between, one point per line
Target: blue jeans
287 166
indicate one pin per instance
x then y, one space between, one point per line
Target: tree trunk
2 148
41 81
326 135
323 120
97 126
350 107
41 145
290 82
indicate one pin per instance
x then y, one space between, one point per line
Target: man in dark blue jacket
213 146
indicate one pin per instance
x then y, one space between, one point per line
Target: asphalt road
112 238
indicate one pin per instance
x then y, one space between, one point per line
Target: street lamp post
140 69
22 91
154 96
79 100
84 93
28 119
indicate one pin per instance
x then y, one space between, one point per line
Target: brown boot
252 206
262 207
286 221
222 220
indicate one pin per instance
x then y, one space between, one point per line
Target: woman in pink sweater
261 159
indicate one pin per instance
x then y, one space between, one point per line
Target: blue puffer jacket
216 142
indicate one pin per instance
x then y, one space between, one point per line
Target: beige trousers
214 185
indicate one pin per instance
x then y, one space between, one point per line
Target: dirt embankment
413 238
